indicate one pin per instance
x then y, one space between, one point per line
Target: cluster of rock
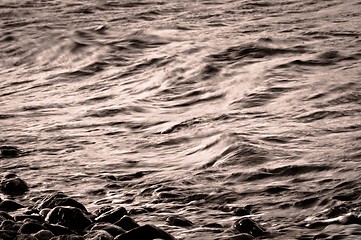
60 217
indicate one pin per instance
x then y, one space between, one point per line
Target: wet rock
10 225
249 226
98 235
112 216
25 237
12 185
70 217
213 225
127 223
146 232
5 216
242 236
135 211
178 221
241 211
58 230
7 235
9 206
23 217
9 152
102 210
338 210
58 199
31 227
44 235
68 237
112 229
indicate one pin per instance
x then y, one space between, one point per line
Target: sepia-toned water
188 108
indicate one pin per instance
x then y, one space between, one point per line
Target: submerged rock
179 221
249 226
9 152
12 185
146 232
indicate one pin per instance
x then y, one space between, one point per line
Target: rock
5 216
12 185
112 216
242 236
7 235
146 232
249 226
213 225
43 235
23 217
31 227
112 229
68 237
58 199
58 230
9 152
178 221
241 211
98 235
70 217
10 225
25 237
9 206
127 223
102 209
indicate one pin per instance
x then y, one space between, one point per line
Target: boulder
9 206
146 232
127 223
12 185
31 227
58 199
98 235
112 216
9 152
178 221
70 217
112 229
43 235
249 226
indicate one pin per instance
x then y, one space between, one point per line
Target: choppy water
222 103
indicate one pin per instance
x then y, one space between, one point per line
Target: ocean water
187 107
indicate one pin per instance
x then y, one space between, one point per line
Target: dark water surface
219 103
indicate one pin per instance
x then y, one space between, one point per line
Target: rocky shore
60 217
